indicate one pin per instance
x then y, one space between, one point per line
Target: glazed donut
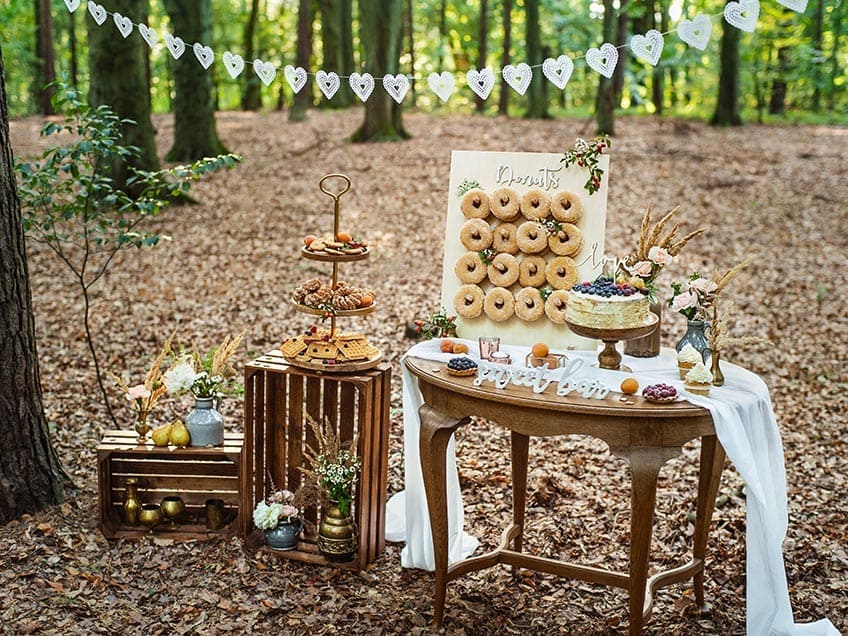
566 241
469 268
503 238
475 204
529 305
505 204
503 270
531 237
475 235
499 304
536 205
531 271
561 273
567 207
468 301
555 306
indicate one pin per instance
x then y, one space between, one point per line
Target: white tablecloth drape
745 424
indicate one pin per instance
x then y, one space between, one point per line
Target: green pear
161 434
179 434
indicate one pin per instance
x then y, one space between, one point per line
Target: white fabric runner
745 425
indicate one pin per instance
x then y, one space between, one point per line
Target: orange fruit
629 386
446 346
540 350
366 301
460 348
344 237
308 239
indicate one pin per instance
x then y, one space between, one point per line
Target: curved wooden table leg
520 445
712 464
433 437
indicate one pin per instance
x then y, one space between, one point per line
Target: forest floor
775 193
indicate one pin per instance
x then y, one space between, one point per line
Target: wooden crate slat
276 457
173 466
347 411
295 431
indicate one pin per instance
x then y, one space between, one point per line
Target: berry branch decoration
585 154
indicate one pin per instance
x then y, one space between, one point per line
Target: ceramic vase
696 335
337 537
285 535
205 424
647 346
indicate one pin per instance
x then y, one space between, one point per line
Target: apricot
629 386
307 240
366 301
446 346
344 237
460 347
540 350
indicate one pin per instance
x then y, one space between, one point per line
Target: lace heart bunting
518 77
362 85
296 77
648 47
203 54
234 63
481 82
125 25
396 86
441 84
603 60
150 36
72 5
558 71
97 12
696 32
175 45
328 83
743 14
265 70
796 5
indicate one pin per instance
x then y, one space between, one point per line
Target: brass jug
132 505
337 537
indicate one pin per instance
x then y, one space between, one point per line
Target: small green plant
438 325
70 203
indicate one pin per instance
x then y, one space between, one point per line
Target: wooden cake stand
609 357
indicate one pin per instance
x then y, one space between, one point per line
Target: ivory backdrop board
522 172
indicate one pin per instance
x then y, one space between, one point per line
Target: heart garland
203 54
97 12
296 77
234 63
743 14
265 70
150 36
481 82
175 45
442 84
695 32
518 77
396 86
796 5
72 5
558 71
125 25
603 60
329 83
362 85
648 47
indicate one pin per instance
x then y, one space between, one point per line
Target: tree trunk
482 48
818 31
303 100
251 97
836 28
30 475
337 46
443 32
45 57
727 104
605 102
622 29
503 100
410 34
194 102
117 79
658 78
72 45
379 25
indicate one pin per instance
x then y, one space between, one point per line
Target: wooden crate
277 399
194 474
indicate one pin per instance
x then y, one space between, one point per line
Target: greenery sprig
585 154
466 185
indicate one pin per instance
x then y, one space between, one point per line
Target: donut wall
520 231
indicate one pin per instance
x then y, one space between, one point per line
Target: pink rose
643 268
660 256
138 392
703 285
686 300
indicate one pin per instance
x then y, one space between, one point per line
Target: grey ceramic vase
205 424
285 536
696 335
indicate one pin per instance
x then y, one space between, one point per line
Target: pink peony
660 256
643 268
686 300
703 285
138 392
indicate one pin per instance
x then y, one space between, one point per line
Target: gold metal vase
337 536
715 368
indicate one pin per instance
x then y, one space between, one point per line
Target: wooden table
646 435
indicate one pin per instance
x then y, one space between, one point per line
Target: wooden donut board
516 170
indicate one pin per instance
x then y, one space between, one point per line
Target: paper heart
743 14
97 12
396 86
175 45
603 60
648 47
125 25
518 77
441 84
234 63
204 54
696 32
362 85
72 5
265 70
558 71
481 82
796 5
329 83
296 77
150 36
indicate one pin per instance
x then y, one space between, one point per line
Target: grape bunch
461 364
659 392
606 287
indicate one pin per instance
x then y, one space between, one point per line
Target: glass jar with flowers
144 396
279 518
209 377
